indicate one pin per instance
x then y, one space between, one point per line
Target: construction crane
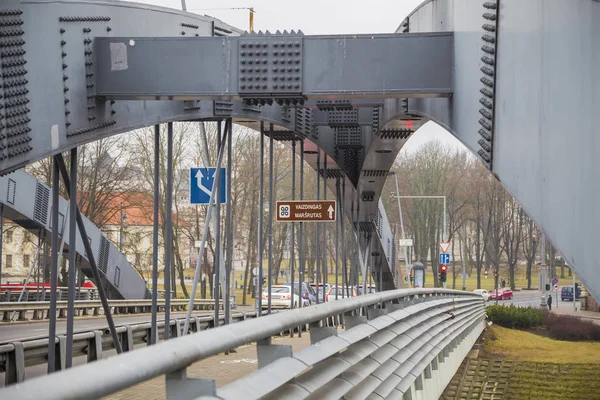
250 9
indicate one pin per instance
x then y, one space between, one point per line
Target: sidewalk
566 308
223 368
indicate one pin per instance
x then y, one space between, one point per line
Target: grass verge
518 345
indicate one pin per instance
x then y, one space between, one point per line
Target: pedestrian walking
549 302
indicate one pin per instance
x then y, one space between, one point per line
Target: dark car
566 293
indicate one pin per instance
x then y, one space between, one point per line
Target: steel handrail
175 355
44 305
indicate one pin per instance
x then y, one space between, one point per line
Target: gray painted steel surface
27 202
393 343
544 140
523 95
270 66
69 76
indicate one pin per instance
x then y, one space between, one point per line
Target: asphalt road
10 332
532 298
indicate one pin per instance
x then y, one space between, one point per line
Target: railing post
179 387
94 347
351 320
267 352
15 365
318 332
419 382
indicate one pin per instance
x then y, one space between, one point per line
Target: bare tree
512 234
530 246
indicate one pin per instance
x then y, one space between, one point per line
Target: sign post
306 211
555 286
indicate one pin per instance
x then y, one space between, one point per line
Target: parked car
320 288
566 293
280 297
503 294
483 293
341 293
308 294
370 289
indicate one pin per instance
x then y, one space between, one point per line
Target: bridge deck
223 368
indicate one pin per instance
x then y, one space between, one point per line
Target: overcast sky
315 17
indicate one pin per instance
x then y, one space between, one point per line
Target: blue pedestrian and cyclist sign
202 181
444 258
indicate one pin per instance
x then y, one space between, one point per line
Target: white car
483 293
281 297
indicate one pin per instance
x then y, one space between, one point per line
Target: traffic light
443 270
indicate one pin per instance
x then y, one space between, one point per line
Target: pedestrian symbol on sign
284 211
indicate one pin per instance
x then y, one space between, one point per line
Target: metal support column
301 230
203 241
90 254
2 240
371 265
229 242
293 239
324 265
356 229
345 282
318 235
154 326
168 230
270 260
217 222
261 211
72 257
53 269
337 234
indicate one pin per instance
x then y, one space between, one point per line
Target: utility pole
402 229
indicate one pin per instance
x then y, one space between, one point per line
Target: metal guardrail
40 309
13 294
15 356
391 341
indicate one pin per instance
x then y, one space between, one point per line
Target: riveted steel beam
287 69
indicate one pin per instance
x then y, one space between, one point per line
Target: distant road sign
406 242
444 258
444 246
255 271
554 281
201 184
306 211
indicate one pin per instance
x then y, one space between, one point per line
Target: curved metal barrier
391 343
15 356
40 309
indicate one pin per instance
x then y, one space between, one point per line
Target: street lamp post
402 228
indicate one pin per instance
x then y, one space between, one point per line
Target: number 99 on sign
284 211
